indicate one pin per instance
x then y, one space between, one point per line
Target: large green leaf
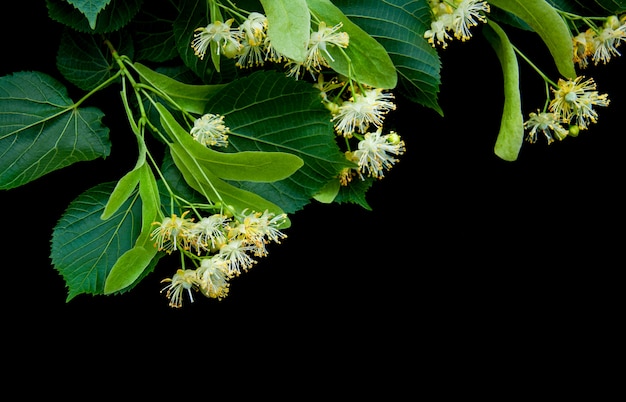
364 59
85 61
42 130
399 26
511 134
289 27
84 247
270 112
549 25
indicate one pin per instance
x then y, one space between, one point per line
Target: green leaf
84 248
192 98
289 27
270 112
364 59
399 26
328 193
255 166
128 269
112 18
153 31
85 61
41 130
511 134
550 27
90 8
124 188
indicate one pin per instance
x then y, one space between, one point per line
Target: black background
462 252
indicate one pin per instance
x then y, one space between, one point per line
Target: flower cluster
600 43
457 17
249 44
573 104
355 110
220 246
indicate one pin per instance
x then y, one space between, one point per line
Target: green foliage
42 130
85 248
283 151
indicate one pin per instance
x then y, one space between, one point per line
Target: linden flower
547 123
318 44
254 28
458 17
210 130
466 15
212 276
363 109
438 32
235 254
183 279
172 231
258 229
376 152
608 39
574 99
218 32
583 47
209 232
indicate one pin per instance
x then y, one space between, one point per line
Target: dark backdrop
460 247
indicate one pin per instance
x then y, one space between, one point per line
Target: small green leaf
364 59
511 134
41 130
550 27
289 27
128 268
124 188
328 193
192 98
